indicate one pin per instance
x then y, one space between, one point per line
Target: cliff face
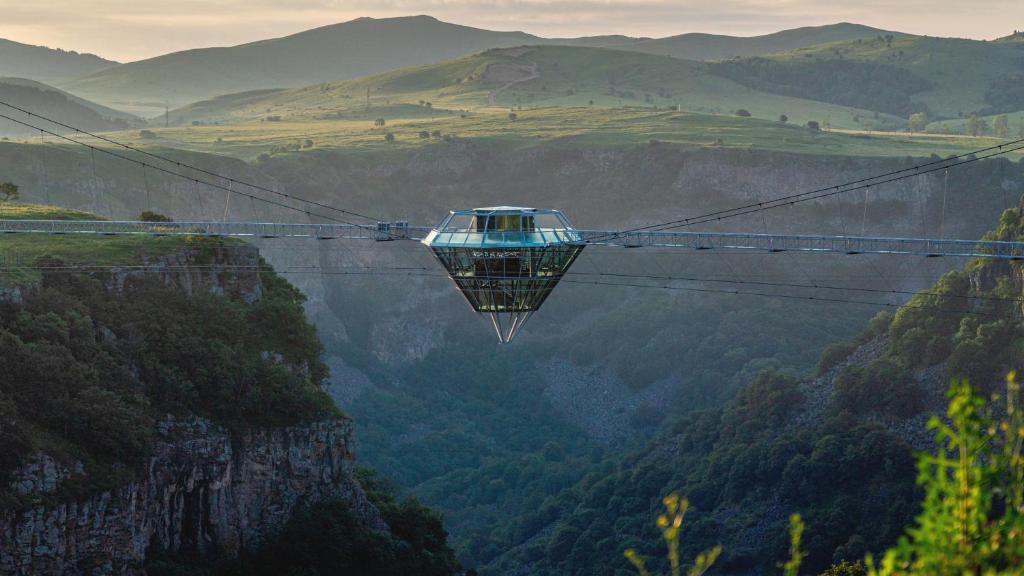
201 489
201 492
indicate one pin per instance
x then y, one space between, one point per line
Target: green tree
389 137
9 191
783 118
918 122
1001 126
513 116
379 122
743 112
976 126
149 216
972 517
813 126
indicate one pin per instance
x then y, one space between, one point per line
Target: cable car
505 260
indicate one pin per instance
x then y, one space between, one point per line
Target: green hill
836 448
526 77
718 47
340 51
58 105
369 46
46 64
947 77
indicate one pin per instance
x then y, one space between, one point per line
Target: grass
554 126
961 70
19 252
528 77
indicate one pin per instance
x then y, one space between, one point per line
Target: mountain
945 77
57 104
340 51
367 46
185 408
47 64
836 448
696 46
525 77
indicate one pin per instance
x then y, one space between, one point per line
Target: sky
126 30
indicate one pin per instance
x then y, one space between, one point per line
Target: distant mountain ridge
47 64
53 103
340 51
698 46
367 46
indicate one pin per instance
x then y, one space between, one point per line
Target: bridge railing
807 243
402 231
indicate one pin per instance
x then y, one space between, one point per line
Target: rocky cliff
201 491
199 486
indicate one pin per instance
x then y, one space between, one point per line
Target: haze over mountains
368 46
46 64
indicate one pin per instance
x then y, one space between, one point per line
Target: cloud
131 29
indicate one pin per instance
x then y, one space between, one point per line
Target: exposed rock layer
201 491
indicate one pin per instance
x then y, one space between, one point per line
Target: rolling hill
946 77
46 64
340 51
522 78
59 105
368 46
697 46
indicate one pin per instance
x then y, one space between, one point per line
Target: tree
783 118
918 122
389 137
512 116
9 190
149 216
379 122
813 126
973 510
743 113
976 126
424 134
1001 126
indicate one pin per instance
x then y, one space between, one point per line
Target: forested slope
837 448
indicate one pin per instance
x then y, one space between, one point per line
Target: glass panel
547 221
459 223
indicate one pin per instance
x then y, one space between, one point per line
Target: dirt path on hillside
510 74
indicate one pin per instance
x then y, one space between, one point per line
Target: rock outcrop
202 491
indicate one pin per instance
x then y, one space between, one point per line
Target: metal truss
384 231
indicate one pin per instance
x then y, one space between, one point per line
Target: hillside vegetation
56 104
46 64
836 448
947 77
524 78
90 375
368 46
336 52
696 46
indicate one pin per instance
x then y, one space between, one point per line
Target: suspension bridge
507 260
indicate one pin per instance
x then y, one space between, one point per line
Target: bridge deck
391 231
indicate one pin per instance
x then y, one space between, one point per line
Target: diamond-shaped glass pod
505 260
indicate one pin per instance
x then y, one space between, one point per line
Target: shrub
813 126
883 386
149 216
743 112
833 355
